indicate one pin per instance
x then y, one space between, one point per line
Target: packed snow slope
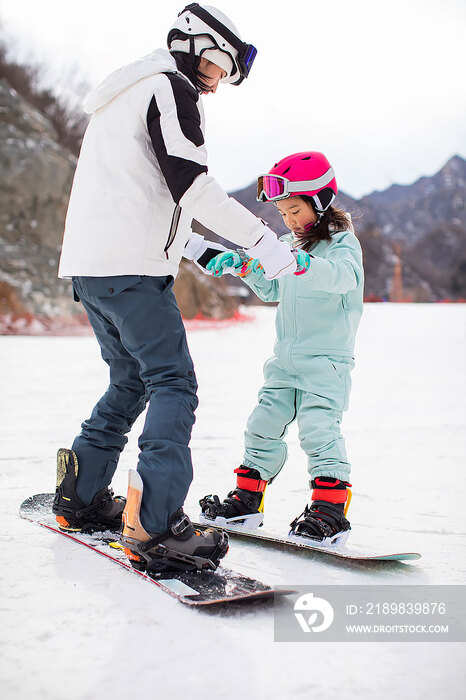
76 626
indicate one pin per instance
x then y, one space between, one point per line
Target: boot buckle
181 526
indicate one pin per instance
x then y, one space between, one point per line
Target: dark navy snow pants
138 325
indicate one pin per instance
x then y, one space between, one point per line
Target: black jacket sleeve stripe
186 98
179 173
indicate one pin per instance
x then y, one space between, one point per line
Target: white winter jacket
142 177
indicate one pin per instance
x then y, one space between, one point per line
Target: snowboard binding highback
179 548
104 512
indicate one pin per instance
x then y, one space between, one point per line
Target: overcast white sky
379 87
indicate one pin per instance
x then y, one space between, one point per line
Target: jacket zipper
173 229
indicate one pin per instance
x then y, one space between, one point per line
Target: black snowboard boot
179 548
243 507
324 520
104 512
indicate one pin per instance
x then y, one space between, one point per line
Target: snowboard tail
199 589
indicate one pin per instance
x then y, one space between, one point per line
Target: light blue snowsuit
308 375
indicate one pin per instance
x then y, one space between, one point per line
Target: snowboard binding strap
246 482
178 529
331 490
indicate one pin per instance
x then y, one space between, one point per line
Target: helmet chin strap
311 225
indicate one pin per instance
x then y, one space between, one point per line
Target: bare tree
62 110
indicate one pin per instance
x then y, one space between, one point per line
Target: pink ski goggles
271 188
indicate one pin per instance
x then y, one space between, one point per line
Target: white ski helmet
207 32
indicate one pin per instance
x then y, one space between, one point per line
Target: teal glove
256 266
223 262
303 261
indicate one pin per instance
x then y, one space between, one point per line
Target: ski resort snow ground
74 625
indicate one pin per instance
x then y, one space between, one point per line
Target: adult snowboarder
140 180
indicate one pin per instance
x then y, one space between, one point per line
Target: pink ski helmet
307 173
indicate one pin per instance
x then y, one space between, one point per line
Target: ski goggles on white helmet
223 38
272 188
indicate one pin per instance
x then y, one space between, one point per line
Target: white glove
201 252
275 256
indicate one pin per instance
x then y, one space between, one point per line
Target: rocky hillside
36 174
35 180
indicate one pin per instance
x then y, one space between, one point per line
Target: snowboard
198 589
340 551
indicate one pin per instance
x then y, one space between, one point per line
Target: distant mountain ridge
430 201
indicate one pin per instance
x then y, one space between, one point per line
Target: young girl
308 376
